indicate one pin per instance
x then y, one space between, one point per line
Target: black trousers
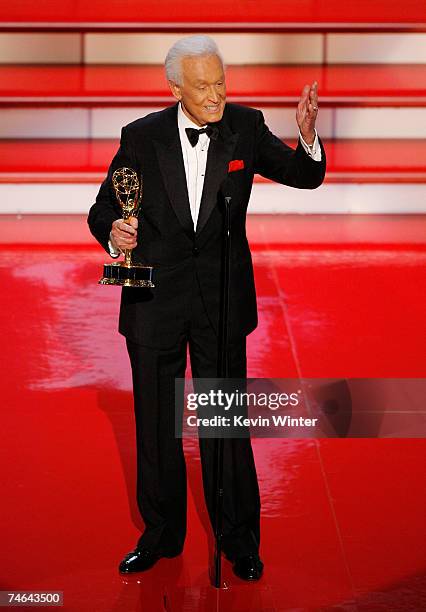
161 471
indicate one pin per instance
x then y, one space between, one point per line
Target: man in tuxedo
184 153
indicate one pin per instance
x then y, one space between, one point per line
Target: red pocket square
235 164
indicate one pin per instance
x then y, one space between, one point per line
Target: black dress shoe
142 559
249 567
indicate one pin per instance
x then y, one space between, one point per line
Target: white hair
196 45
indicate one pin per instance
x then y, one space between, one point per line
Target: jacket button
195 251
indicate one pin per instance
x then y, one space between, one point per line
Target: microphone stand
222 373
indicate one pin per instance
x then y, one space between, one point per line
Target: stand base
122 275
247 597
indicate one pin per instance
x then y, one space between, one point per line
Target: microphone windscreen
227 188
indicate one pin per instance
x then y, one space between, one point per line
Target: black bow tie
193 134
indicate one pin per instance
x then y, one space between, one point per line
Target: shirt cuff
113 251
313 150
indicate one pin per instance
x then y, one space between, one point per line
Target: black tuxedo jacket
166 238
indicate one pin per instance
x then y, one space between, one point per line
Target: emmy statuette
128 190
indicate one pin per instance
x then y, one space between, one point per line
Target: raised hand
307 111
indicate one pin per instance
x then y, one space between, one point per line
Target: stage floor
342 519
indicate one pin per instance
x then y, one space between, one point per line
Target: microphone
227 189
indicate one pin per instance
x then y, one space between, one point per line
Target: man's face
203 91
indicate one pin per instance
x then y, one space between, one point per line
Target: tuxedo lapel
219 155
169 153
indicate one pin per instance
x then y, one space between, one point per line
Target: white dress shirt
313 150
195 162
